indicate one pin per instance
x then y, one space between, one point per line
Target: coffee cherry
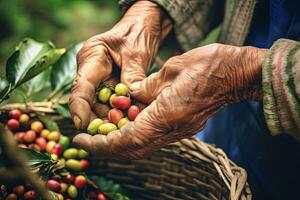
63 187
42 142
49 146
111 99
101 110
59 196
82 153
121 102
106 128
101 196
57 149
84 163
54 157
24 119
53 136
70 153
29 136
69 178
34 147
13 124
11 196
80 181
93 126
53 185
122 122
44 133
19 190
72 191
14 114
114 115
74 165
104 94
64 141
133 112
19 136
121 89
37 126
30 195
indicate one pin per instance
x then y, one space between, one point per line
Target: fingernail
135 86
77 122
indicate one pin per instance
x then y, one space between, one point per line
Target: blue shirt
272 163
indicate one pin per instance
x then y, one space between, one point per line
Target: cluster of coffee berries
121 110
31 133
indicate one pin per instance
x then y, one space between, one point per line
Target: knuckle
174 65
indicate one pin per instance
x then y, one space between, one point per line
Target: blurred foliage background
64 22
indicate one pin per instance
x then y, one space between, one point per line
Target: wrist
247 78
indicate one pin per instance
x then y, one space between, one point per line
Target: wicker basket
189 169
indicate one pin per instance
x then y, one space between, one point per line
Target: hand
184 93
131 44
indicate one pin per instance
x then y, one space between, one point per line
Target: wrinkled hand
184 93
131 44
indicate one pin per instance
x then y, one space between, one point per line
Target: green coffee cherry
104 94
106 128
73 164
122 122
70 153
111 98
64 141
82 153
121 89
93 126
72 191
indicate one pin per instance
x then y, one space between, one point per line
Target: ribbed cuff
281 88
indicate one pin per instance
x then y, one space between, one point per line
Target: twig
46 107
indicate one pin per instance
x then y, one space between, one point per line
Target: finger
149 88
96 144
94 65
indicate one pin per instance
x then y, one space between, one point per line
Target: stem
47 107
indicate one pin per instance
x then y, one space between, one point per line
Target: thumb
149 88
94 65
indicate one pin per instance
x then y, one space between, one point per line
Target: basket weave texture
189 169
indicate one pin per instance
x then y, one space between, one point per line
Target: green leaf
5 92
64 70
29 59
63 110
40 163
110 188
3 83
49 123
37 83
34 156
